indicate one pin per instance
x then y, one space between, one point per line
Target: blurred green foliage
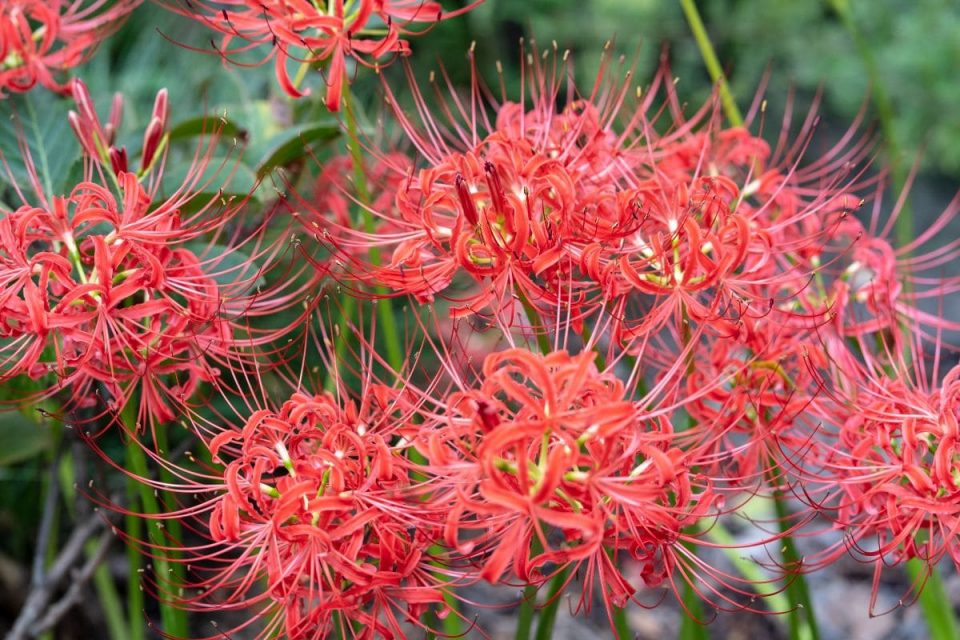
802 45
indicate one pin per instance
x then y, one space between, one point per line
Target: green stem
173 620
710 60
388 324
935 602
599 359
747 568
348 308
452 624
178 570
529 603
621 626
691 624
548 615
536 325
528 606
884 106
802 618
134 529
109 600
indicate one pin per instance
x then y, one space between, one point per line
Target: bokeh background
899 60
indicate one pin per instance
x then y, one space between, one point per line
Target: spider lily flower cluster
42 39
591 209
654 319
706 336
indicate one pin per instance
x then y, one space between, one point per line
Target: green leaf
225 178
222 198
22 438
292 146
205 125
38 121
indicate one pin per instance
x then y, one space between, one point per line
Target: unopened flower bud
151 141
466 200
118 159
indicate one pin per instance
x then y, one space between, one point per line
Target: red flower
749 400
871 286
884 468
308 34
41 39
501 205
113 289
547 465
314 520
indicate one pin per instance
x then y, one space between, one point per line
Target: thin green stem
134 530
548 614
452 624
175 531
903 229
587 335
802 618
528 607
173 619
536 325
699 31
528 603
718 534
348 308
109 599
691 625
621 626
388 324
935 601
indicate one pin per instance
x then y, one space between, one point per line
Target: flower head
112 289
884 467
311 34
548 465
42 39
502 201
312 519
572 202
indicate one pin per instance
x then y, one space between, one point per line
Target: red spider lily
112 289
327 546
501 199
315 34
871 286
547 465
885 469
41 39
748 399
311 522
720 234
